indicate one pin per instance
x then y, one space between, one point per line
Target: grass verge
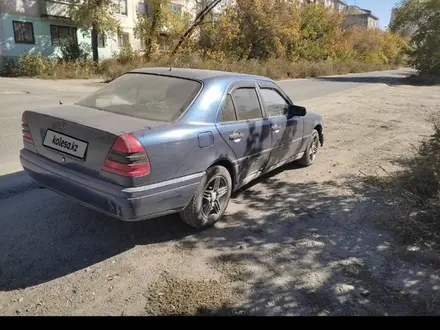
41 67
415 194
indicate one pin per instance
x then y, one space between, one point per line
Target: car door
286 131
242 126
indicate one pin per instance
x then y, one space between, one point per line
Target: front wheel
210 200
311 150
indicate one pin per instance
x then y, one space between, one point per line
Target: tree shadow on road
307 248
400 78
313 249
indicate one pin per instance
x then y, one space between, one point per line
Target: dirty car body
158 141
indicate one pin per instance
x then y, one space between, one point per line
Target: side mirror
296 110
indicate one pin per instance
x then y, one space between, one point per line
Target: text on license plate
65 144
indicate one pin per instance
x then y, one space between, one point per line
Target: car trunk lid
80 137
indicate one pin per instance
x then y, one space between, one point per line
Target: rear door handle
276 128
236 136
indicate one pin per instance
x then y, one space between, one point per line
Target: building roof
356 10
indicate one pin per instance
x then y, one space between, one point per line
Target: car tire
205 207
311 151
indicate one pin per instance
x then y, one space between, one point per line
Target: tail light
27 136
127 158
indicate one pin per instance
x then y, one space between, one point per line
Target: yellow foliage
269 29
374 46
269 37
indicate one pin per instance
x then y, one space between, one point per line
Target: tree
197 21
321 33
424 16
268 29
160 26
97 16
151 24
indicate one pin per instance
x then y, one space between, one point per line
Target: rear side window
246 104
145 96
228 110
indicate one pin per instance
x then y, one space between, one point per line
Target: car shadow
44 236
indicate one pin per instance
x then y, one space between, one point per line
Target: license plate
66 144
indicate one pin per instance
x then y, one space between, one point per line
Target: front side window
146 96
275 104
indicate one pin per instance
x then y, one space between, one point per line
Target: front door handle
276 128
236 136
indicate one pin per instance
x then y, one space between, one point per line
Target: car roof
198 74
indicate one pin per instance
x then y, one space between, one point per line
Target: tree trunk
95 44
149 39
197 21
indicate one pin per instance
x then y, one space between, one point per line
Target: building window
122 9
60 34
142 8
123 39
176 8
164 42
101 40
145 9
23 32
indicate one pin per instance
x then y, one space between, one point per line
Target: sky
379 8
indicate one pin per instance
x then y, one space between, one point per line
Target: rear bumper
127 204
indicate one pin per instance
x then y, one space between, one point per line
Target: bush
33 65
126 55
81 69
38 66
72 51
275 68
43 67
9 68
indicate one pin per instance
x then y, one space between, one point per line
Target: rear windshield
145 96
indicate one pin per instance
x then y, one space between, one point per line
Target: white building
38 26
356 17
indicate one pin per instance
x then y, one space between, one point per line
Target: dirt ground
300 241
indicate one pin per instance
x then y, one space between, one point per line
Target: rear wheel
311 150
210 200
